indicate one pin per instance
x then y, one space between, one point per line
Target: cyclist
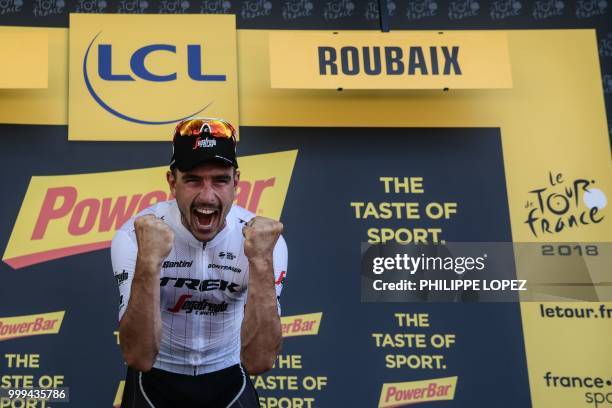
199 281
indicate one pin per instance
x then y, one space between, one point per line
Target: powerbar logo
301 325
67 215
30 325
413 392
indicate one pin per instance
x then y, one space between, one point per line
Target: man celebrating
189 329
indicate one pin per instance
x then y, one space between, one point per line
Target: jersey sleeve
123 257
280 255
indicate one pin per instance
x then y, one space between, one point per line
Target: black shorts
230 387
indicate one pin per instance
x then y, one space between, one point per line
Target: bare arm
261 337
261 330
140 328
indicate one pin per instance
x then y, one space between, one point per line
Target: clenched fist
154 237
260 236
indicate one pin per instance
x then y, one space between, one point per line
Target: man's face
204 196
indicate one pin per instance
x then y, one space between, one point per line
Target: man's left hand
260 236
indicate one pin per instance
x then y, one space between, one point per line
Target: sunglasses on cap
217 128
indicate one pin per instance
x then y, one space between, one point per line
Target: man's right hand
140 328
154 237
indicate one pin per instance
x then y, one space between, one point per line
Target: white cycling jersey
203 290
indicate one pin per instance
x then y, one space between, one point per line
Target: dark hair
173 171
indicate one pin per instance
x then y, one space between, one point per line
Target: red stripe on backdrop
39 257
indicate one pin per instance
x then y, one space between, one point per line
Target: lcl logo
140 71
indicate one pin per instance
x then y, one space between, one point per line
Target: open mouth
205 217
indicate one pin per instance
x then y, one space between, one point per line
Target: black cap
197 140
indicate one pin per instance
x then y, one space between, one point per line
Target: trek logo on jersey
30 325
201 285
201 307
68 215
413 392
124 70
177 264
301 325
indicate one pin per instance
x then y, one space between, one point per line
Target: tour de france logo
564 203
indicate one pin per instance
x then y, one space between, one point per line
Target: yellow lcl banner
396 60
133 76
68 215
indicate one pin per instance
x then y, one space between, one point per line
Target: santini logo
139 72
177 264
